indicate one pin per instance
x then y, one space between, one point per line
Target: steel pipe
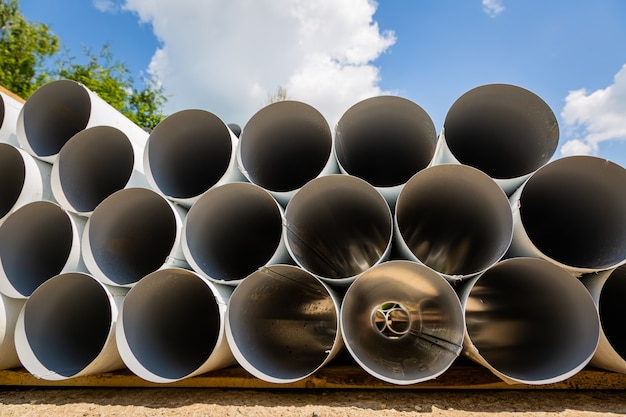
402 322
385 140
337 227
66 328
505 131
37 242
9 112
283 146
131 233
454 219
188 153
172 326
571 212
282 324
60 109
529 321
9 310
232 230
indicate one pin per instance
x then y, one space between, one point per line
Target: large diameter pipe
9 113
571 212
384 140
66 328
529 321
283 146
37 242
402 322
188 153
454 219
60 109
93 164
133 232
9 311
505 131
172 326
282 324
232 230
337 227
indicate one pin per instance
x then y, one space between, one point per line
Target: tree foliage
279 95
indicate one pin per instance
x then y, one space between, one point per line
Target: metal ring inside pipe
37 241
21 178
283 146
172 326
454 219
133 232
571 212
505 131
337 227
530 321
402 322
9 311
384 140
232 230
66 328
189 152
282 324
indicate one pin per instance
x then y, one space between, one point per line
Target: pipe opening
2 111
131 233
338 226
94 164
503 130
233 230
454 219
284 145
35 243
67 322
385 140
612 310
13 174
188 152
283 322
171 323
532 320
392 319
53 114
573 212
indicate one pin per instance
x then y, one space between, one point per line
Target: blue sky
227 56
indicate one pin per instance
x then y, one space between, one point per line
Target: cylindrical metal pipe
505 131
608 289
529 321
571 212
188 153
283 146
9 311
60 109
172 326
337 227
131 233
37 242
92 165
402 322
66 328
9 112
454 219
232 230
282 324
384 140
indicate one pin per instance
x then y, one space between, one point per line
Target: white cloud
106 6
591 118
493 7
229 56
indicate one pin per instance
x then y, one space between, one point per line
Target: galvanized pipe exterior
9 311
9 113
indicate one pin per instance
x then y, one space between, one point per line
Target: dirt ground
188 402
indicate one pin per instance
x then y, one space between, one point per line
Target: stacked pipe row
199 245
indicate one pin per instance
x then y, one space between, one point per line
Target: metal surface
172 326
384 140
454 219
338 226
505 131
188 153
282 324
529 321
9 112
232 230
571 212
402 322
